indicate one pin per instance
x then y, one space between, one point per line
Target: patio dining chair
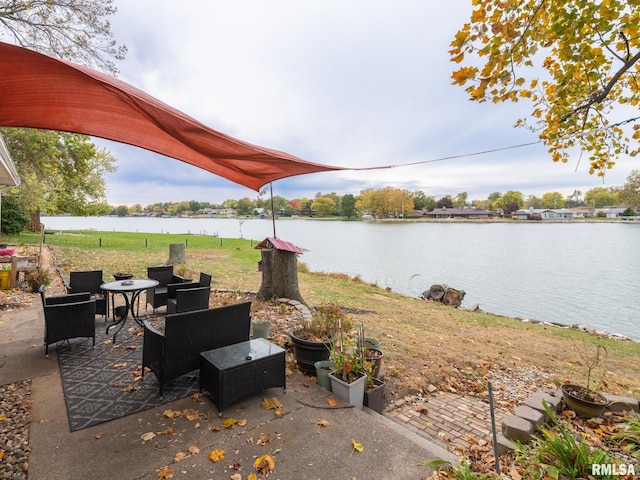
157 296
68 316
89 281
189 299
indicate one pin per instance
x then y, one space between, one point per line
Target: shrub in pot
312 339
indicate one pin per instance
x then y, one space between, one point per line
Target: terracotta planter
307 353
584 408
374 396
352 393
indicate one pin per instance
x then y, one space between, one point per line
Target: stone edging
529 417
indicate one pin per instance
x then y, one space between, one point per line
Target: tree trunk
279 275
176 254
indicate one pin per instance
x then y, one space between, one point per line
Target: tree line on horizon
394 202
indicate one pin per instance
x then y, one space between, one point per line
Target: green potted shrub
312 338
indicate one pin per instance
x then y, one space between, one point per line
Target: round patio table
133 287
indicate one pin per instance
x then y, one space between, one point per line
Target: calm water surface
570 273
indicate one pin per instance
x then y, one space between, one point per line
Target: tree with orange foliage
588 90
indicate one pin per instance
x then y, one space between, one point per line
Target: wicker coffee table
237 371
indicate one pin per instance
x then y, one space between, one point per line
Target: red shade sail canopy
38 91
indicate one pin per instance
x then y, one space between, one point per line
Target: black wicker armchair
89 281
157 296
68 316
189 299
176 351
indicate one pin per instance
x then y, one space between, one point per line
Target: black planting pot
307 353
374 396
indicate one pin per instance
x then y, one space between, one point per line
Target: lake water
569 273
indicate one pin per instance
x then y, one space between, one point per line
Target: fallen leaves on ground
165 472
271 403
332 401
229 422
264 439
187 413
147 436
322 422
216 455
356 445
264 464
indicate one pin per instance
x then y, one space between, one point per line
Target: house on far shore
543 214
469 213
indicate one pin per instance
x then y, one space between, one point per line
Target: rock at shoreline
444 294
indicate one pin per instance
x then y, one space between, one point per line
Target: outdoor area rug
100 383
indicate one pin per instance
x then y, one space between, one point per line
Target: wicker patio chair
172 288
157 296
89 281
189 299
68 316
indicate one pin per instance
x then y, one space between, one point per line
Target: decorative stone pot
374 396
260 328
323 369
307 353
583 407
352 393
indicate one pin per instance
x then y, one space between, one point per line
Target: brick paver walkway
454 421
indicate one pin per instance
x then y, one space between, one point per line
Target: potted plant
350 373
312 338
585 400
37 278
5 276
122 275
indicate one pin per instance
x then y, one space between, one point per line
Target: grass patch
423 343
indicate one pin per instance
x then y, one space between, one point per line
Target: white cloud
354 84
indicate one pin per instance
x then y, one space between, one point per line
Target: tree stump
444 294
279 275
176 254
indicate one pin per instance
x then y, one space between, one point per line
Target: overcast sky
358 84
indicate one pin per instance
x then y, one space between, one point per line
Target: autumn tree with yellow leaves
576 61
